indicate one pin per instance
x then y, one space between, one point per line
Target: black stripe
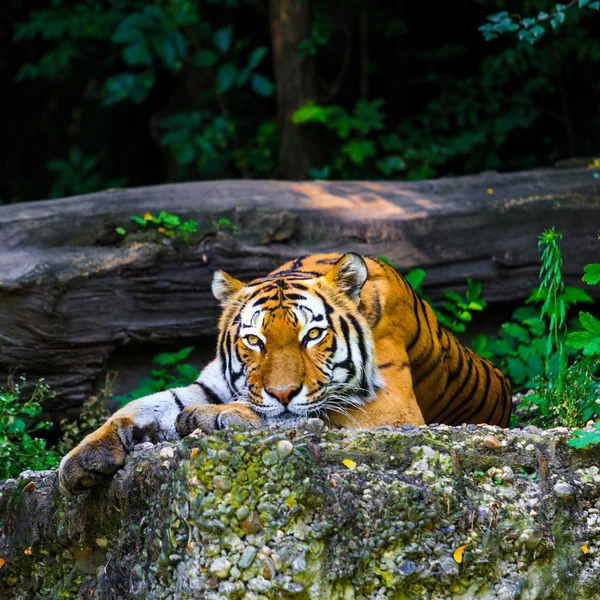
443 413
489 419
484 398
364 384
212 396
466 402
432 367
421 360
177 400
451 378
418 334
347 363
298 263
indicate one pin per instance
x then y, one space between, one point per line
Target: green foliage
587 340
171 372
94 413
78 174
355 152
519 350
583 439
165 225
456 311
194 83
531 29
225 224
21 446
569 400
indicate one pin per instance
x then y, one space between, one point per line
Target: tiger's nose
284 395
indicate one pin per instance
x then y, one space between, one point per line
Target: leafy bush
195 84
94 413
21 446
165 225
173 372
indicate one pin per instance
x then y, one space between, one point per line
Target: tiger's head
292 345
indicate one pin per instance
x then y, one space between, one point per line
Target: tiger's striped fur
341 337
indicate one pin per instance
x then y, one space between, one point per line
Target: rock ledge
430 512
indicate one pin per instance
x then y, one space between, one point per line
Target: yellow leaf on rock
2 562
458 554
28 551
194 452
490 191
148 217
585 549
349 463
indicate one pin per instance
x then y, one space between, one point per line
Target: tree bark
295 80
430 512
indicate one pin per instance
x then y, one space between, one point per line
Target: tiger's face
292 345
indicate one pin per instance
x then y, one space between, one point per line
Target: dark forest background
111 93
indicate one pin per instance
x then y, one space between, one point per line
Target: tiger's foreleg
155 419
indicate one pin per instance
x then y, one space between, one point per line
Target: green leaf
164 359
391 164
310 113
583 439
359 150
205 58
594 6
262 85
184 153
368 115
256 57
138 54
121 231
582 3
590 323
226 77
516 370
139 220
415 278
189 372
183 353
592 274
222 38
454 296
573 295
497 17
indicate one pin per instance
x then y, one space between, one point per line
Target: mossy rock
429 512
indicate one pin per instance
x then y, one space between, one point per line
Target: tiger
341 337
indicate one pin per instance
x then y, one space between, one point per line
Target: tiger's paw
211 417
97 457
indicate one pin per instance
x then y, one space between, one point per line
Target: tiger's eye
314 333
253 339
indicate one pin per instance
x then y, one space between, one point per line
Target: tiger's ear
349 274
224 286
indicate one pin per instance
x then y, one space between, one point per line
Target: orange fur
428 375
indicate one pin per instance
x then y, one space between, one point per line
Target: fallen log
431 512
72 293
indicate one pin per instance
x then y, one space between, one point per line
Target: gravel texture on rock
423 512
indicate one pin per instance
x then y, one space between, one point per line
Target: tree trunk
295 80
430 512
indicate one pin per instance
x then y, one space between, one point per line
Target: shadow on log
70 295
431 512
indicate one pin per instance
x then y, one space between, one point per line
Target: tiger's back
452 384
